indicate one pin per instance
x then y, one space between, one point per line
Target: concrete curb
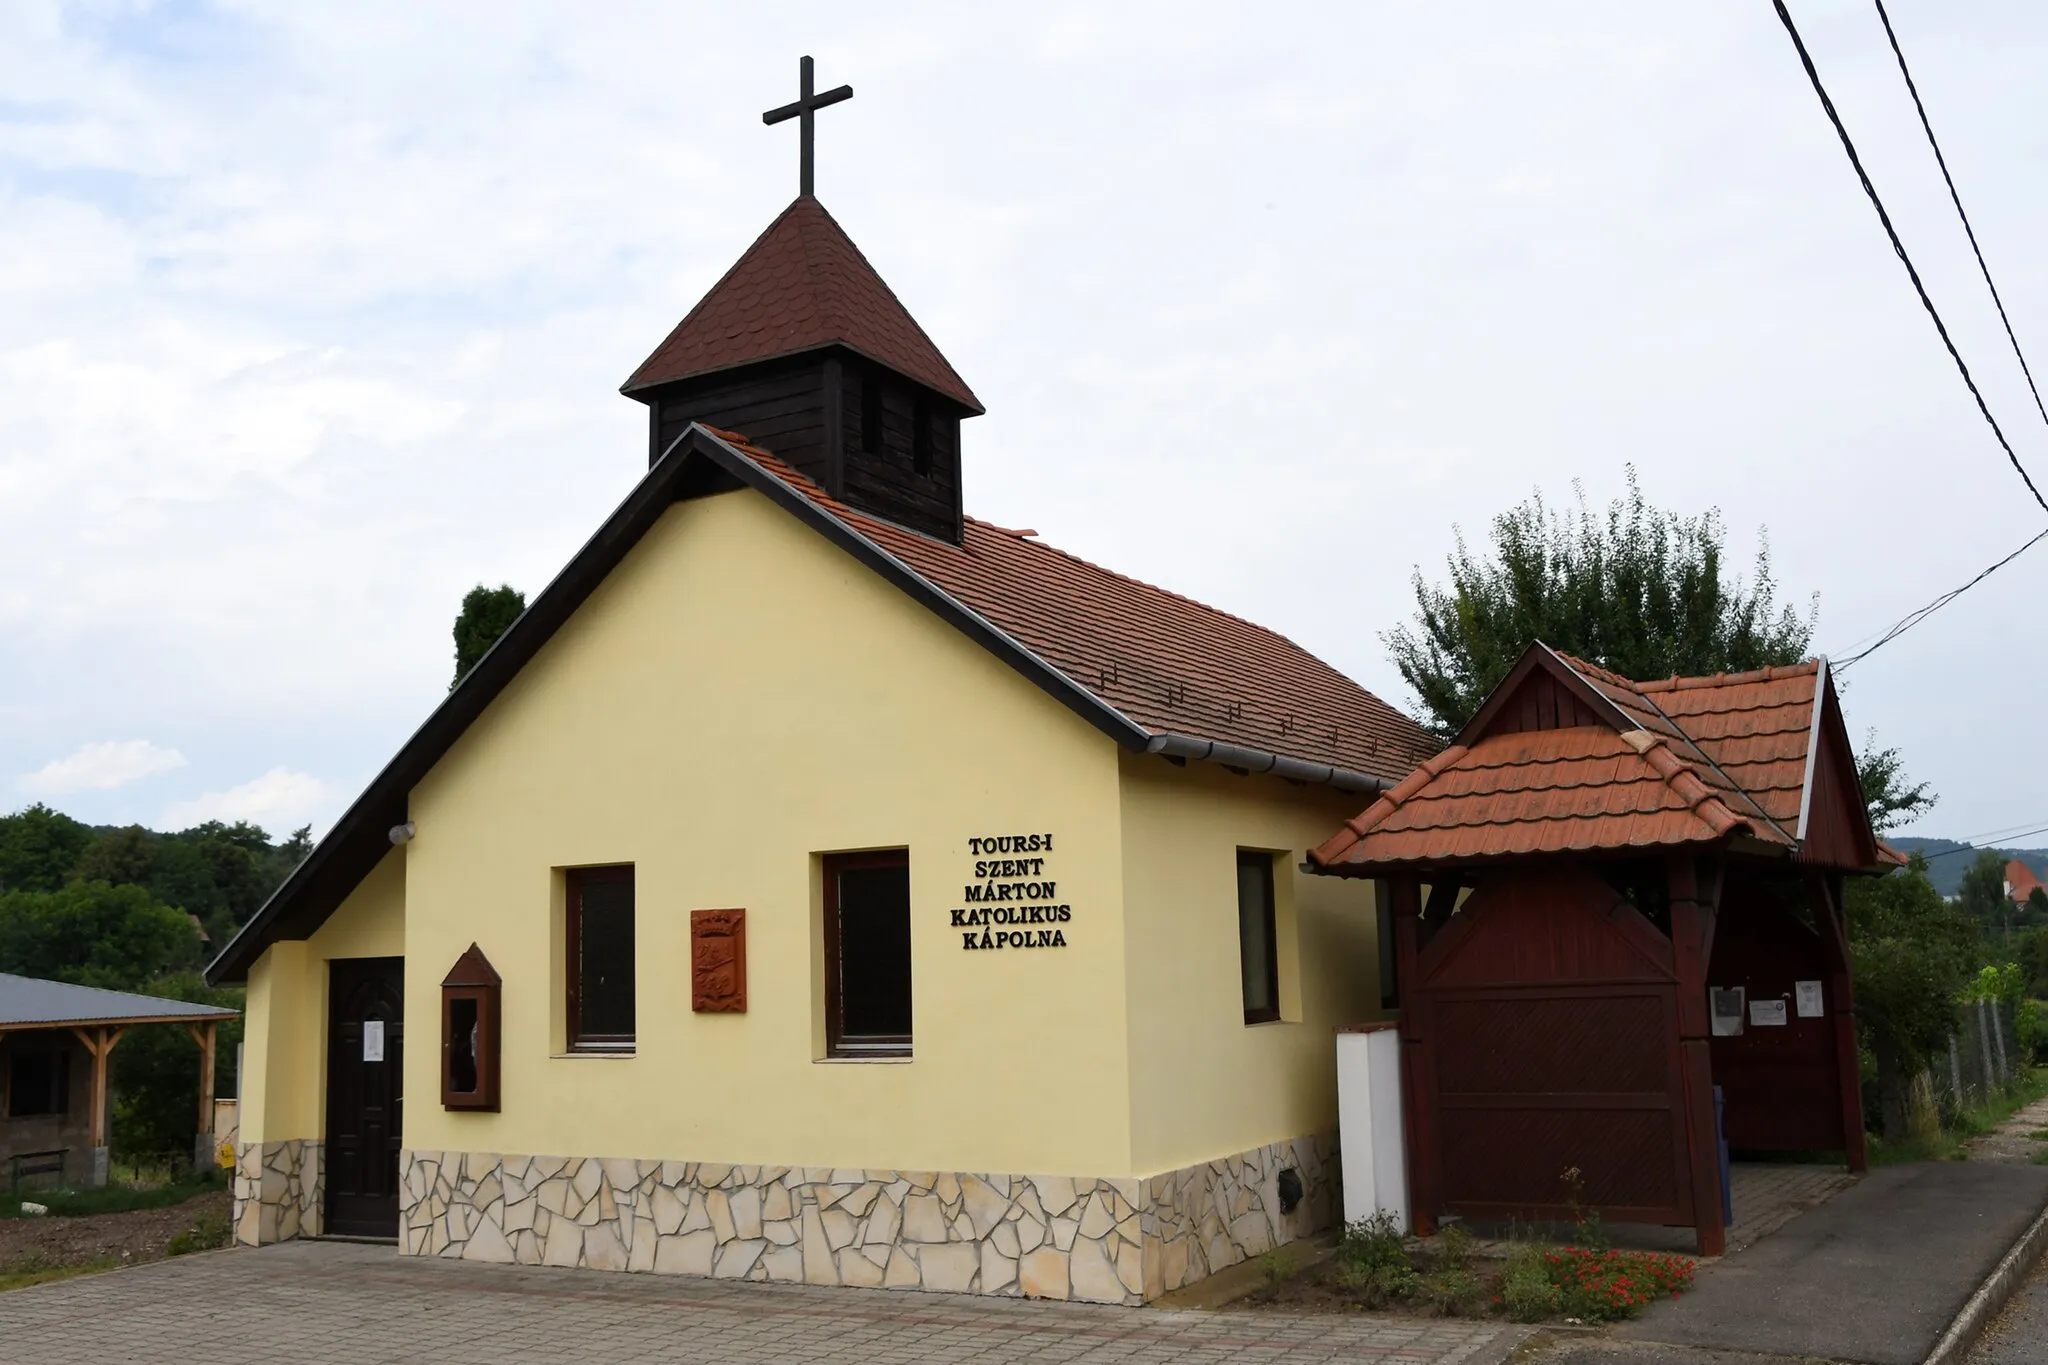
1998 1287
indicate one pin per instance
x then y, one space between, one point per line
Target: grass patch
1950 1143
112 1199
25 1273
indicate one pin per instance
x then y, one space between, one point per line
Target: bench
31 1165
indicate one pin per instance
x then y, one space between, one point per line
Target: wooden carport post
202 1146
99 1042
1702 1141
1825 899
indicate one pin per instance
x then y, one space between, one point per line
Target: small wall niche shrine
1013 900
470 1015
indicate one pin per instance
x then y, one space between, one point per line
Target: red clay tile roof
2020 880
1693 760
802 284
1169 664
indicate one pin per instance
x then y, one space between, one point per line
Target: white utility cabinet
1372 1149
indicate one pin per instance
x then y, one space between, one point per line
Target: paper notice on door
1767 1013
1807 996
373 1040
1727 1010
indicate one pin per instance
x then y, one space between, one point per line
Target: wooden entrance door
365 1094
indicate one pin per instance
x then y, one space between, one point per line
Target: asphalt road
1874 1276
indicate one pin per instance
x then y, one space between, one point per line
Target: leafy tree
1641 592
1912 955
95 934
1983 897
124 857
38 849
486 614
2037 907
155 1073
1892 799
1638 591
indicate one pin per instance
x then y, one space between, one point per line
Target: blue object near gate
1721 1146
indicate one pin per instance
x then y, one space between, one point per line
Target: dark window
600 958
1258 950
871 415
462 1045
38 1082
921 437
867 954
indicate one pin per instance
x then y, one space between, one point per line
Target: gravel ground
139 1235
2014 1139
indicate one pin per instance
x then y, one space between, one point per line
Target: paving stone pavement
351 1304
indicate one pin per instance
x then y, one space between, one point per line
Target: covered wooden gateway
1611 900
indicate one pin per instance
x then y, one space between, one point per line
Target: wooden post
1419 1117
1702 1141
100 1042
203 1034
1824 897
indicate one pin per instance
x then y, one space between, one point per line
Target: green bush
1452 1291
1526 1291
1372 1262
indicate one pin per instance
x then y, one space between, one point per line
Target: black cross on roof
805 108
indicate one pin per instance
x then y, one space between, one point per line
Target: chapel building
817 884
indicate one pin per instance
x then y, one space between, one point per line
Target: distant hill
1947 860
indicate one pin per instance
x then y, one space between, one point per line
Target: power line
1914 618
1957 200
1899 249
1974 848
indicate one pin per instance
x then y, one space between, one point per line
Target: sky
314 316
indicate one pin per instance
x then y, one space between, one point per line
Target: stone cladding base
1055 1237
278 1194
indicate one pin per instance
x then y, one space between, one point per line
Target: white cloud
101 767
279 800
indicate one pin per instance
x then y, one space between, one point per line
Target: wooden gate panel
1500 1163
1538 1043
1549 1010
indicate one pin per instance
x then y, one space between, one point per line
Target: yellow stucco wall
1203 1082
738 697
284 1052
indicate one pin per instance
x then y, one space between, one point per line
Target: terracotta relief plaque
718 961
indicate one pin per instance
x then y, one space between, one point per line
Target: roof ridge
1768 673
1675 770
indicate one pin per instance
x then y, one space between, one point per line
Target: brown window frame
574 880
869 1045
1269 1014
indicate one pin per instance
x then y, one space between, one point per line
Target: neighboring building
2020 882
817 884
55 1041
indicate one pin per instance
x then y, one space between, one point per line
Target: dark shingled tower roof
802 285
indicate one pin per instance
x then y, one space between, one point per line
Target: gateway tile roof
1675 762
802 284
1168 663
32 1002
